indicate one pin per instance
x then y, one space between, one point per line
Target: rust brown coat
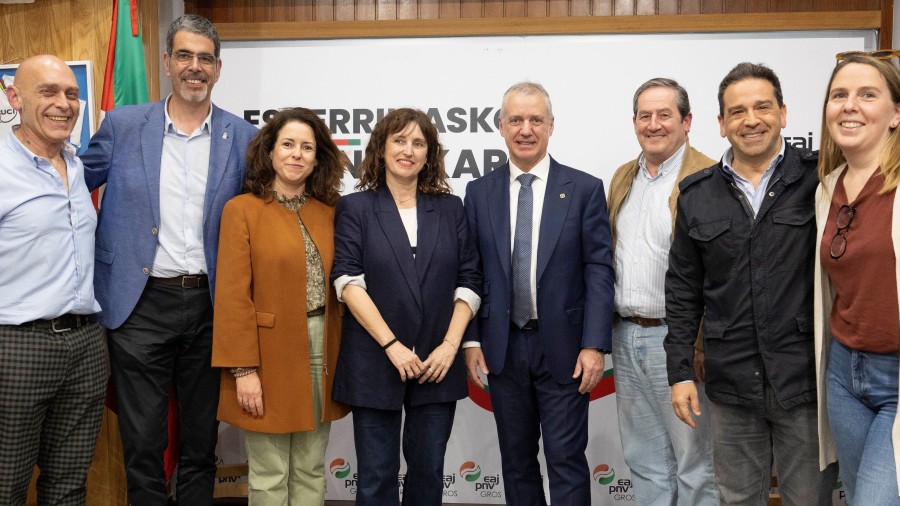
260 312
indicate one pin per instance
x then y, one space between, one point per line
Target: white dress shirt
183 173
538 187
643 239
541 172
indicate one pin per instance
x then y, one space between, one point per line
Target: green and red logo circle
339 468
604 475
470 471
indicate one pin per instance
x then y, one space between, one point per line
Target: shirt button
756 374
146 270
154 231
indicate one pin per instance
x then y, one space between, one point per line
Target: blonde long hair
831 156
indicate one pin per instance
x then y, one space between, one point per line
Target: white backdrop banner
459 82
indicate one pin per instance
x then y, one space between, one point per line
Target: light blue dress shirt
183 174
46 237
755 196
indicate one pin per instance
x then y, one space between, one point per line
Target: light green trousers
289 469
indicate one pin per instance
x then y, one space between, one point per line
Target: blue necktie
521 264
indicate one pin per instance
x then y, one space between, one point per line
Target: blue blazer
125 154
413 295
575 279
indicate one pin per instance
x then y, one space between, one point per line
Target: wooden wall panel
580 7
264 11
407 9
492 8
74 30
429 9
690 7
602 8
647 8
536 8
623 7
470 9
557 8
451 9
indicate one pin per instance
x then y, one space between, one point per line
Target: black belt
643 322
60 324
187 281
316 312
529 325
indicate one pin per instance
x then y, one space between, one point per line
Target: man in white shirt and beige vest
670 462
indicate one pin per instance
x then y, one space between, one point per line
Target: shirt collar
170 126
664 168
540 170
728 158
68 150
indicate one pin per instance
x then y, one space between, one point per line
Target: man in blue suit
169 169
546 316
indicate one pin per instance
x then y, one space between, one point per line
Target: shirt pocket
793 232
716 243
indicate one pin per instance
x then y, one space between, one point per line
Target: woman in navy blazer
407 269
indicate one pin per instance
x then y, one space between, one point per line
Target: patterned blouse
315 272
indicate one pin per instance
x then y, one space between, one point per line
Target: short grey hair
194 24
528 88
681 95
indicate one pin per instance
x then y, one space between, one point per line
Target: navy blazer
125 154
575 279
413 294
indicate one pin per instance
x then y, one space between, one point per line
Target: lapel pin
562 195
225 136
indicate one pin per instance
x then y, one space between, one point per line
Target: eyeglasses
844 218
187 57
881 54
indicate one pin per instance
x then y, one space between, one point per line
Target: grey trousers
52 388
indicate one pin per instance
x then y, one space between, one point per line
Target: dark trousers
166 341
376 433
529 403
51 404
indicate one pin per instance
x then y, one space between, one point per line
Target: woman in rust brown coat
277 323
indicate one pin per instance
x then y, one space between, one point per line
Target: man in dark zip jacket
743 255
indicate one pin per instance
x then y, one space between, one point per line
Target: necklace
401 202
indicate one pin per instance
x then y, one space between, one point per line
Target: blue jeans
376 433
862 404
670 462
745 439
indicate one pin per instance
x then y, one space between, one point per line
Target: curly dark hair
324 184
371 172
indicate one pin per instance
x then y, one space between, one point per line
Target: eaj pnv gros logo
340 468
485 485
604 475
470 471
619 489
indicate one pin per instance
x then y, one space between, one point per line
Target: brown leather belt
60 324
644 322
188 281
